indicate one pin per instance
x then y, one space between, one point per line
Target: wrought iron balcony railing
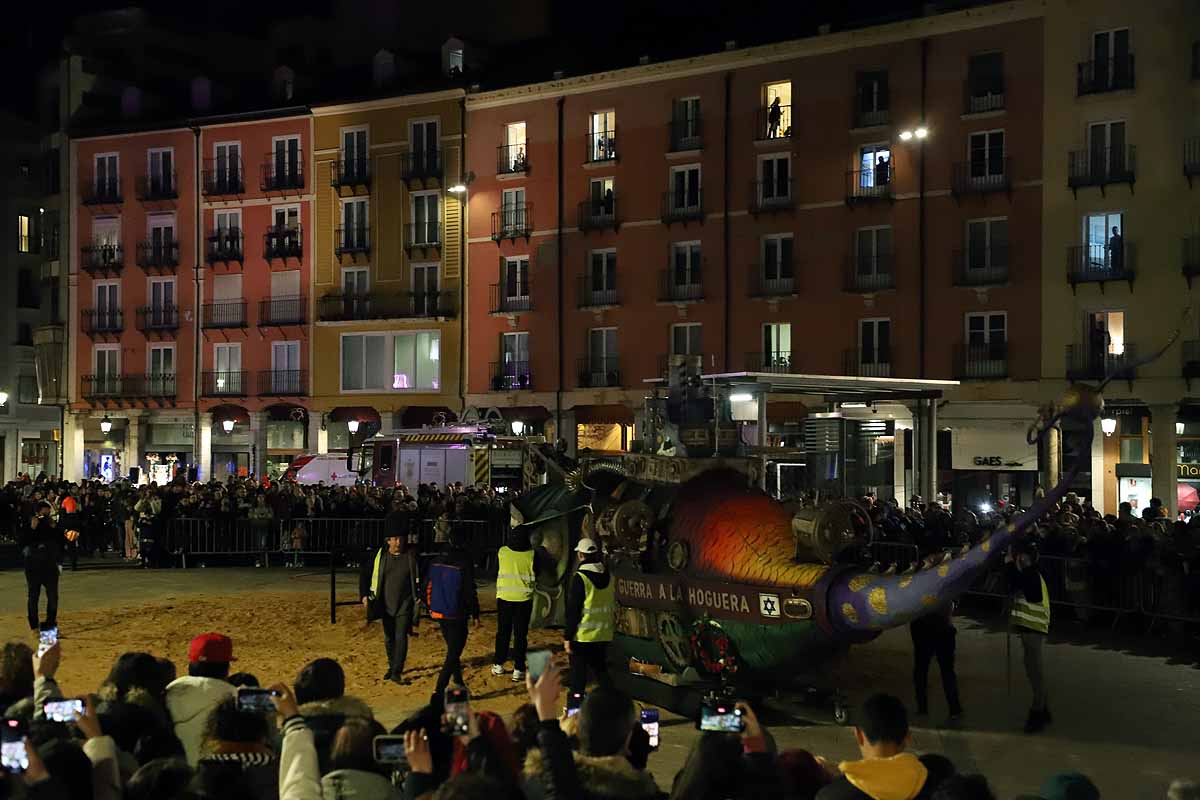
987 361
680 286
291 310
599 373
1110 75
224 383
511 376
224 314
870 272
981 266
160 186
282 382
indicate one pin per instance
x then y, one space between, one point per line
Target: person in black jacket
41 545
387 585
933 635
454 623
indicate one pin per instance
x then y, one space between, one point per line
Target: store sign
999 447
1189 471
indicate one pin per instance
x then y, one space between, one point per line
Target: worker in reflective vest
1030 620
590 617
515 580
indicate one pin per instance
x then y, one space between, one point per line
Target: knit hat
1068 786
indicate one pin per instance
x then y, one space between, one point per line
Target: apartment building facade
388 265
1122 152
861 203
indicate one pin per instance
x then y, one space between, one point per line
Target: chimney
201 94
731 44
823 30
284 83
558 74
131 102
644 60
383 69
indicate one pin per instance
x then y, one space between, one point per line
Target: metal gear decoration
673 638
678 554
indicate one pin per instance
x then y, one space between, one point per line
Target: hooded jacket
252 767
553 772
600 576
324 717
189 701
901 777
300 777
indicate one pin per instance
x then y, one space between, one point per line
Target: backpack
443 588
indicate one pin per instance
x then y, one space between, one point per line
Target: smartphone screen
255 700
390 750
650 725
721 717
63 710
458 709
13 755
47 639
574 703
538 661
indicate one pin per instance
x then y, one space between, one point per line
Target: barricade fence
191 538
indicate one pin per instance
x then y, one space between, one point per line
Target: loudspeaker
134 474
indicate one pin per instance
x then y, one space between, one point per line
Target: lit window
24 245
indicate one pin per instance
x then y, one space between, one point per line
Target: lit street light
106 425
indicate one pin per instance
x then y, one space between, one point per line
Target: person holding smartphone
41 545
590 618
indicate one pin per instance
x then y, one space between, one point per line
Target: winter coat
251 767
553 772
324 717
901 777
300 776
190 700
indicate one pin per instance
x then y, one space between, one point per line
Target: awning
423 416
529 414
787 411
236 413
831 387
612 414
360 413
286 412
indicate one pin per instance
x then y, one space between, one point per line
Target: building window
425 142
227 360
24 334
286 164
355 224
875 347
602 136
777 347
1112 59
24 234
228 177
285 368
685 124
27 390
425 289
875 166
987 335
602 201
872 99
776 119
1106 150
514 362
684 197
514 283
27 293
1104 242
985 151
778 272
603 363
426 211
685 339
873 257
987 245
161 370
356 281
775 179
601 285
108 179
513 155
391 361
355 154
161 171
985 83
513 217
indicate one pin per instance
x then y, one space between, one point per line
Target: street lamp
228 424
919 132
518 427
3 398
1108 425
1178 428
105 425
352 425
460 186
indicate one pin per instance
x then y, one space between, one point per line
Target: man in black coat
387 585
41 545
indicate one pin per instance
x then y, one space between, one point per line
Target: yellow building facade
388 315
1121 155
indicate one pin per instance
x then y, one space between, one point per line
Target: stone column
318 439
1164 457
133 447
204 457
258 442
1053 455
1098 471
72 444
12 451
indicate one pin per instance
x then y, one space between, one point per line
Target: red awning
360 413
423 416
612 414
236 413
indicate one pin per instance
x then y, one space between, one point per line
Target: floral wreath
713 648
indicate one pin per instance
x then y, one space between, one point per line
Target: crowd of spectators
146 733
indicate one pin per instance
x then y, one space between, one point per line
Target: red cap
211 647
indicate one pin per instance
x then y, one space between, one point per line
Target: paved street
1125 709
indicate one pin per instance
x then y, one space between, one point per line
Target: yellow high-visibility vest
1031 616
515 579
599 612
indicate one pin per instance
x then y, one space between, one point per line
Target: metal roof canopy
835 388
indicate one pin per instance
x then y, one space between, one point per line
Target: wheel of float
841 711
674 639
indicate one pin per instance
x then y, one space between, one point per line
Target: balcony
680 286
682 207
1191 257
599 373
770 196
380 305
102 322
773 122
224 384
512 159
351 173
283 174
423 236
163 186
513 221
684 135
1098 263
859 364
981 361
421 165
1190 366
223 314
283 242
870 273
601 146
591 296
1097 362
1101 167
352 242
158 256
871 118
50 244
1111 75
507 298
158 319
282 382
1191 158
101 192
981 266
869 185
982 99
597 215
225 246
102 259
664 362
773 280
278 311
982 176
222 179
778 362
158 385
511 376
111 387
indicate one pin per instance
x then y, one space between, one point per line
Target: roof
833 387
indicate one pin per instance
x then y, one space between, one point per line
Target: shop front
104 450
990 462
287 437
603 429
167 450
231 443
